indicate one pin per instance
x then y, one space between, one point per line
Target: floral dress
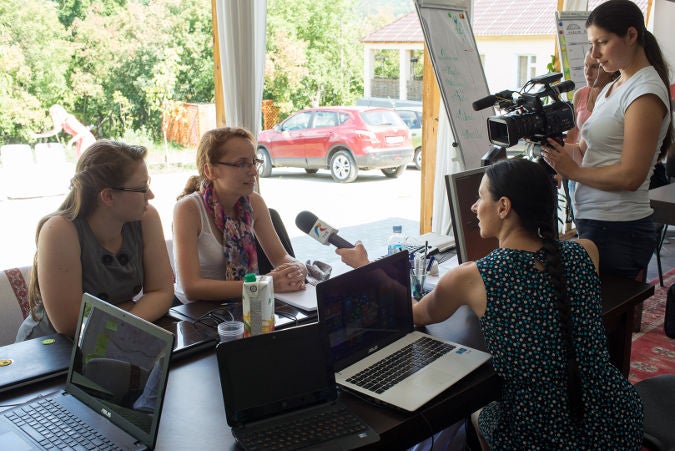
521 327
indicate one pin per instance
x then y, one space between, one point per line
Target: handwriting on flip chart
457 65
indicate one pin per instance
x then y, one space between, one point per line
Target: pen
431 261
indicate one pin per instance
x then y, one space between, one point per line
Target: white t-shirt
603 134
211 258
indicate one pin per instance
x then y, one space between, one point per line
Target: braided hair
533 197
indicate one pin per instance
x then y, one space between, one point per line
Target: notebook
367 316
34 360
274 382
114 389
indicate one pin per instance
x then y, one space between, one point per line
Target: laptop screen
270 374
366 309
119 367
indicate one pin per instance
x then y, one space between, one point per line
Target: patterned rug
652 352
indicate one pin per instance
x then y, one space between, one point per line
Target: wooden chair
14 307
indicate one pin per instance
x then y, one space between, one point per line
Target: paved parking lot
365 209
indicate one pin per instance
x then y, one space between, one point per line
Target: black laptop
280 393
114 390
34 360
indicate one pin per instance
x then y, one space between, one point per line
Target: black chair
658 399
662 229
264 265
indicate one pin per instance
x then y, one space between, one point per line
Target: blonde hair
211 149
104 164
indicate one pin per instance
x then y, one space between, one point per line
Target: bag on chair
669 322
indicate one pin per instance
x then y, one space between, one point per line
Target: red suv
342 139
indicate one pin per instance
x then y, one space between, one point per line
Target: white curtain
241 33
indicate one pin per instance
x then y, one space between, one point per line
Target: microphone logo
322 232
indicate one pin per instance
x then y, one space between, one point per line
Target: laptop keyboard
53 427
303 432
389 371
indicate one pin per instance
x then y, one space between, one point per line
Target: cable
431 429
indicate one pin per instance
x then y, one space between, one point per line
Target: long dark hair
104 164
533 197
617 16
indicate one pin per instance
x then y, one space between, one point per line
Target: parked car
412 116
343 139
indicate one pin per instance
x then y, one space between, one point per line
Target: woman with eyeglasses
217 219
104 239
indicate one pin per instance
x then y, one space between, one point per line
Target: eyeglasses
143 189
244 165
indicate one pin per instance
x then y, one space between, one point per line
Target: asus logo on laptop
106 413
373 349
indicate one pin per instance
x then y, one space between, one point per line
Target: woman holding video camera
628 130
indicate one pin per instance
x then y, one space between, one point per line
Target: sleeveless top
521 328
582 106
115 278
212 264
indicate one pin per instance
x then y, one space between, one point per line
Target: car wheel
311 171
394 172
418 158
343 168
265 169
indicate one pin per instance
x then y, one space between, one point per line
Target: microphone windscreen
565 86
305 220
483 103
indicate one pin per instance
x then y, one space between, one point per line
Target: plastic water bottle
396 241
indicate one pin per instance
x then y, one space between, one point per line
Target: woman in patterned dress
539 306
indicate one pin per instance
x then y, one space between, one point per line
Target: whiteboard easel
459 72
572 45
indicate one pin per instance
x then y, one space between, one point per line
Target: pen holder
416 287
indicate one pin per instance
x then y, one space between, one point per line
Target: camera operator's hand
558 157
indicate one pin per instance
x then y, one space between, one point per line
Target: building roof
524 18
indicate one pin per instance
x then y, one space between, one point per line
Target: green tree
314 52
34 55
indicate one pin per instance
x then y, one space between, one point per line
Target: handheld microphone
319 230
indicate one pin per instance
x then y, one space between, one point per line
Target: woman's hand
289 277
354 256
558 157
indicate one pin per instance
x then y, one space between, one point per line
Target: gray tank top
113 278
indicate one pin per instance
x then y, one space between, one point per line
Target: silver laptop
367 314
114 391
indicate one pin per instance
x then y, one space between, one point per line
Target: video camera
527 116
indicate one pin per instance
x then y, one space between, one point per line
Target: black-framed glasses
244 165
143 189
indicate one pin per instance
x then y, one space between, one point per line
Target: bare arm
157 278
460 286
573 133
60 273
288 273
641 131
591 250
186 228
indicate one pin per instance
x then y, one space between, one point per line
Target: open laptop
367 315
273 383
34 360
114 390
